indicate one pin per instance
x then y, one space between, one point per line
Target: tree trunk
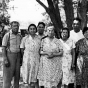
57 29
82 10
68 6
55 17
58 16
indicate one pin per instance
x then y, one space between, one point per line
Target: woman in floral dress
30 45
82 67
68 54
50 72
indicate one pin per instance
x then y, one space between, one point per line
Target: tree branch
42 4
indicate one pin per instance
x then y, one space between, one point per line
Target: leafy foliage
4 20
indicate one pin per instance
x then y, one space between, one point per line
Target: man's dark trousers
12 71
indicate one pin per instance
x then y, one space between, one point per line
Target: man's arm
4 45
4 51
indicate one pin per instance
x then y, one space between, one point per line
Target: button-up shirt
14 42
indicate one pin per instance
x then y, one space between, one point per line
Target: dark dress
82 49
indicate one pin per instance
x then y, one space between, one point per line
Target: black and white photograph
43 43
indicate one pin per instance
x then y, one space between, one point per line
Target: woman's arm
74 59
21 53
75 54
60 49
22 45
60 53
43 52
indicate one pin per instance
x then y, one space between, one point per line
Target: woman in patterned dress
50 72
68 54
30 45
82 66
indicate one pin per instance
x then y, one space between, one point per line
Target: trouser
12 71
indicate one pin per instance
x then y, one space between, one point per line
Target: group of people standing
46 61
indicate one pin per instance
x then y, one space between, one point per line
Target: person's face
64 34
76 25
51 32
41 28
86 34
32 30
15 28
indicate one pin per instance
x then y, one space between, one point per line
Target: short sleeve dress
82 49
50 71
68 74
30 58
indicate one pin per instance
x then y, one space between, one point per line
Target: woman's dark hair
41 23
84 29
32 25
67 31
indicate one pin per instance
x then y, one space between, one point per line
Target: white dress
68 74
50 70
30 58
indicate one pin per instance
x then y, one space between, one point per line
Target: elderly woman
50 72
82 60
30 45
68 54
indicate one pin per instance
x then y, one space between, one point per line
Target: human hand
50 55
6 62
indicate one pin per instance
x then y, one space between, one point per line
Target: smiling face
32 30
76 25
64 34
40 29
